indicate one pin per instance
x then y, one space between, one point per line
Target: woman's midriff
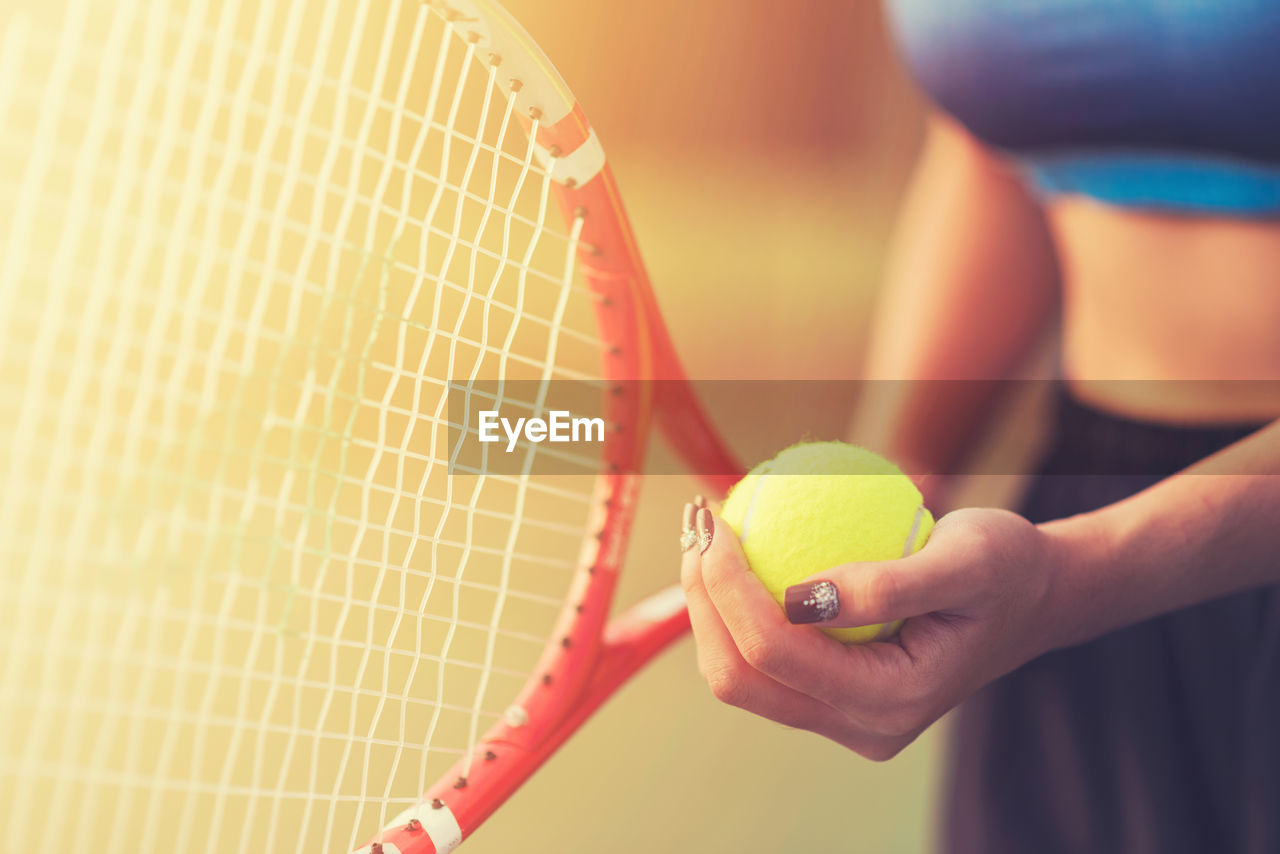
1170 318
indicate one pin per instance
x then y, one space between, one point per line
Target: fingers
731 679
946 574
757 626
803 660
873 698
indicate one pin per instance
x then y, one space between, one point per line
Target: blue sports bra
1164 104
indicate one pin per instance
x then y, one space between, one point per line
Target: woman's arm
988 592
971 280
1211 530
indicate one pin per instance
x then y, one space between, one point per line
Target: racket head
587 657
244 260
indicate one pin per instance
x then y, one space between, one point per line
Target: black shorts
1162 737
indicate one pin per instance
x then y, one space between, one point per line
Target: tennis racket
252 598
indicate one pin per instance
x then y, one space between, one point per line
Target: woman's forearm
1209 531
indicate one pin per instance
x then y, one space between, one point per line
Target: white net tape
243 246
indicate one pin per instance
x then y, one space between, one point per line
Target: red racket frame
588 656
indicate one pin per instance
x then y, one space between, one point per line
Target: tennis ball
820 504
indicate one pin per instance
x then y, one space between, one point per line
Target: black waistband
1088 440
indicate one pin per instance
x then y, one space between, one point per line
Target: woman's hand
974 599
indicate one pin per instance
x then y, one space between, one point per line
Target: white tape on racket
439 823
518 57
577 167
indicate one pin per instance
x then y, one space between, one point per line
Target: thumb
938 577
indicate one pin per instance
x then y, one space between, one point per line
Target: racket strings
185 618
158 435
245 249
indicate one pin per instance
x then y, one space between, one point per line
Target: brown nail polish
688 536
706 530
699 501
815 602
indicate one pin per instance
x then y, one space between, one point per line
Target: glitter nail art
812 603
706 530
688 536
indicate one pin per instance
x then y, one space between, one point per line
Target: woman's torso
1151 130
1173 306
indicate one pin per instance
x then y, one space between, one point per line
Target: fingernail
815 602
688 536
699 501
706 528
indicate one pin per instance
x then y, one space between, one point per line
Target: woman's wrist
1082 552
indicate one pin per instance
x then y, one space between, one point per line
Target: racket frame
588 655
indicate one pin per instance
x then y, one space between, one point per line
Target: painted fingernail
706 529
688 536
699 501
815 602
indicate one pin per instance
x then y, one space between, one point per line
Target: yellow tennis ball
820 504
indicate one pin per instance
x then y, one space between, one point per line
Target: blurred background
762 150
